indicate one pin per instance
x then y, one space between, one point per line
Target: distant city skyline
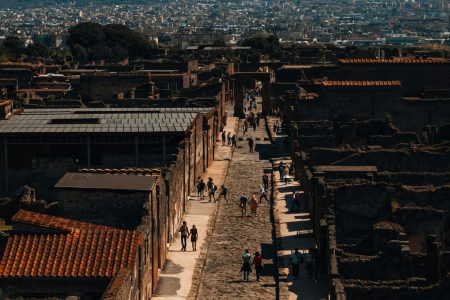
398 21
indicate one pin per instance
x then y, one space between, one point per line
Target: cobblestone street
221 277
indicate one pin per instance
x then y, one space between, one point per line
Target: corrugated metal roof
110 120
107 181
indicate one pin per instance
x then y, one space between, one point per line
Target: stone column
88 150
238 99
5 162
266 102
433 266
323 245
163 152
136 151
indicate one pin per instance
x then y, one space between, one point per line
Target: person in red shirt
257 261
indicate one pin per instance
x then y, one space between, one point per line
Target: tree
38 50
112 42
266 43
79 53
14 46
86 34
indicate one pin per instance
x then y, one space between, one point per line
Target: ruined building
372 152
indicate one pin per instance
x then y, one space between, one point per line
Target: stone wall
44 172
89 288
404 160
104 87
415 77
346 103
414 178
385 102
111 208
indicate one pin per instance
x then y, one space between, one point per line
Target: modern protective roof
107 181
101 120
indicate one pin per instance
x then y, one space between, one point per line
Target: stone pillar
136 151
266 102
88 150
319 204
323 246
238 99
5 162
163 152
433 266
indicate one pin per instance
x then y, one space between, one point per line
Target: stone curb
275 228
269 132
282 277
201 260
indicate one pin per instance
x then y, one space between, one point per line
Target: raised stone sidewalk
181 271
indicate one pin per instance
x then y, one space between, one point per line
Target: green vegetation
13 48
91 42
265 42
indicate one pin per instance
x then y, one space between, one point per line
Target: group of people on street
250 100
185 233
211 188
253 203
251 120
311 259
228 139
285 170
248 262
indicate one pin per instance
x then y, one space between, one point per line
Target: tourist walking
245 126
262 194
257 261
197 182
184 231
286 143
286 174
251 144
280 170
233 141
254 124
243 205
229 138
265 180
296 260
223 138
254 205
201 189
246 267
309 263
211 189
296 205
223 192
194 237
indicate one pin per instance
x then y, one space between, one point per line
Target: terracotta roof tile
86 250
48 221
360 83
394 61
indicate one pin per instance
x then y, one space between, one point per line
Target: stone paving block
221 277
